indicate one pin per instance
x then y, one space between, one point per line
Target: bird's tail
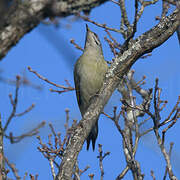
92 136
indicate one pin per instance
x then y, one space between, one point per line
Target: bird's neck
92 52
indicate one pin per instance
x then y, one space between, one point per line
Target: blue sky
48 51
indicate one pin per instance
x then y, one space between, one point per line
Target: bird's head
92 40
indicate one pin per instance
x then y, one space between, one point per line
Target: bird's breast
92 77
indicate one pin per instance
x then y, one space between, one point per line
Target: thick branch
2 164
145 43
26 15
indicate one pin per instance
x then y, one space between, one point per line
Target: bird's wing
77 80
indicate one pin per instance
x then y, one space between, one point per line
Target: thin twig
52 169
84 170
34 131
13 168
134 24
123 173
170 151
174 120
26 111
69 88
72 41
85 18
101 157
152 174
14 103
91 176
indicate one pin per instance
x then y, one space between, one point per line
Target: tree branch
121 65
24 16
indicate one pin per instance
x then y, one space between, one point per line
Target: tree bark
23 16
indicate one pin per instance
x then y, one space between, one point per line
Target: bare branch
33 178
152 174
124 18
33 132
26 111
14 103
65 89
101 157
170 150
174 120
24 81
134 29
156 132
3 171
52 168
76 45
85 18
13 169
123 173
91 176
31 13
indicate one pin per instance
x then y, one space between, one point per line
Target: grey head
92 41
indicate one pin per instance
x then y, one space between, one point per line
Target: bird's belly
93 82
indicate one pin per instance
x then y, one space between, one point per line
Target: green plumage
89 72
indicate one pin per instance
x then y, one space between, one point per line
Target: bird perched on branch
89 72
